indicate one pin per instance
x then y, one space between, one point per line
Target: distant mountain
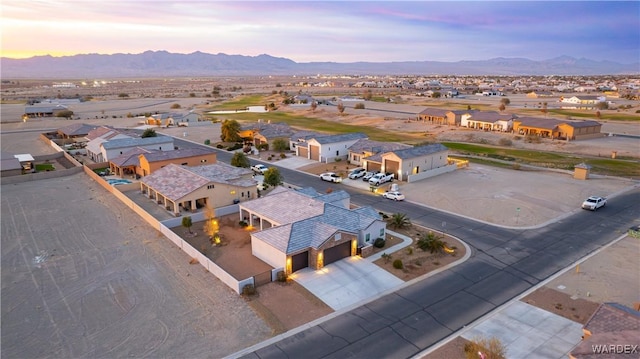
165 64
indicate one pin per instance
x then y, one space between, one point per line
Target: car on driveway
357 173
395 195
331 177
380 178
594 202
367 176
259 168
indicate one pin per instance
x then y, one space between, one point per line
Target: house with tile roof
364 148
43 110
297 229
435 115
115 147
76 130
260 132
128 162
488 121
557 129
411 164
152 161
183 188
328 148
613 331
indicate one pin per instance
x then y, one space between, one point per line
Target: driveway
347 282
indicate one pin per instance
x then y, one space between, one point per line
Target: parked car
396 196
380 178
259 168
594 202
330 177
357 173
367 176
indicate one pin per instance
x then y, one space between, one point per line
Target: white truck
594 202
380 178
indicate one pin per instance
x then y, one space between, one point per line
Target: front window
367 237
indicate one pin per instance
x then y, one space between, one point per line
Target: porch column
193 205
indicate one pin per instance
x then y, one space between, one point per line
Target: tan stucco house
557 129
179 188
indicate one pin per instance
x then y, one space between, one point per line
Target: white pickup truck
594 202
380 178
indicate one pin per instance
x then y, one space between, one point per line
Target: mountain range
165 64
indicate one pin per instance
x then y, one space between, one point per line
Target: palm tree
432 243
399 220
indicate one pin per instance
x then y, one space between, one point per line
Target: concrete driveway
347 282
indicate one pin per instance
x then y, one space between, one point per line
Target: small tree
230 131
505 101
314 105
186 223
399 220
359 106
368 95
211 226
123 95
502 107
239 159
280 145
340 108
491 348
175 106
149 132
436 94
272 177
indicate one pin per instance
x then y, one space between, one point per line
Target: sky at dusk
338 31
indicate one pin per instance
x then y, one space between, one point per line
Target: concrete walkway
351 281
529 332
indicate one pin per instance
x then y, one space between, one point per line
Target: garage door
315 153
392 167
337 253
303 152
299 261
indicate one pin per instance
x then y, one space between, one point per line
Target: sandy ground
82 276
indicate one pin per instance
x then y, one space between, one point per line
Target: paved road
504 264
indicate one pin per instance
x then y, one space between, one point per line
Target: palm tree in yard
432 243
399 220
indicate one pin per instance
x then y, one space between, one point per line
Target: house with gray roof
328 148
76 130
413 163
42 110
183 188
364 148
303 228
115 147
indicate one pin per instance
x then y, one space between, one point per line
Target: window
210 186
367 238
381 232
185 164
203 161
338 236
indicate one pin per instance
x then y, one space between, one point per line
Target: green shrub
282 155
243 224
397 264
248 290
219 145
282 277
236 146
379 242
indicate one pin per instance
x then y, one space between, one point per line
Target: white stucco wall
268 253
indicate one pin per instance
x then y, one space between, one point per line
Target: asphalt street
504 263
